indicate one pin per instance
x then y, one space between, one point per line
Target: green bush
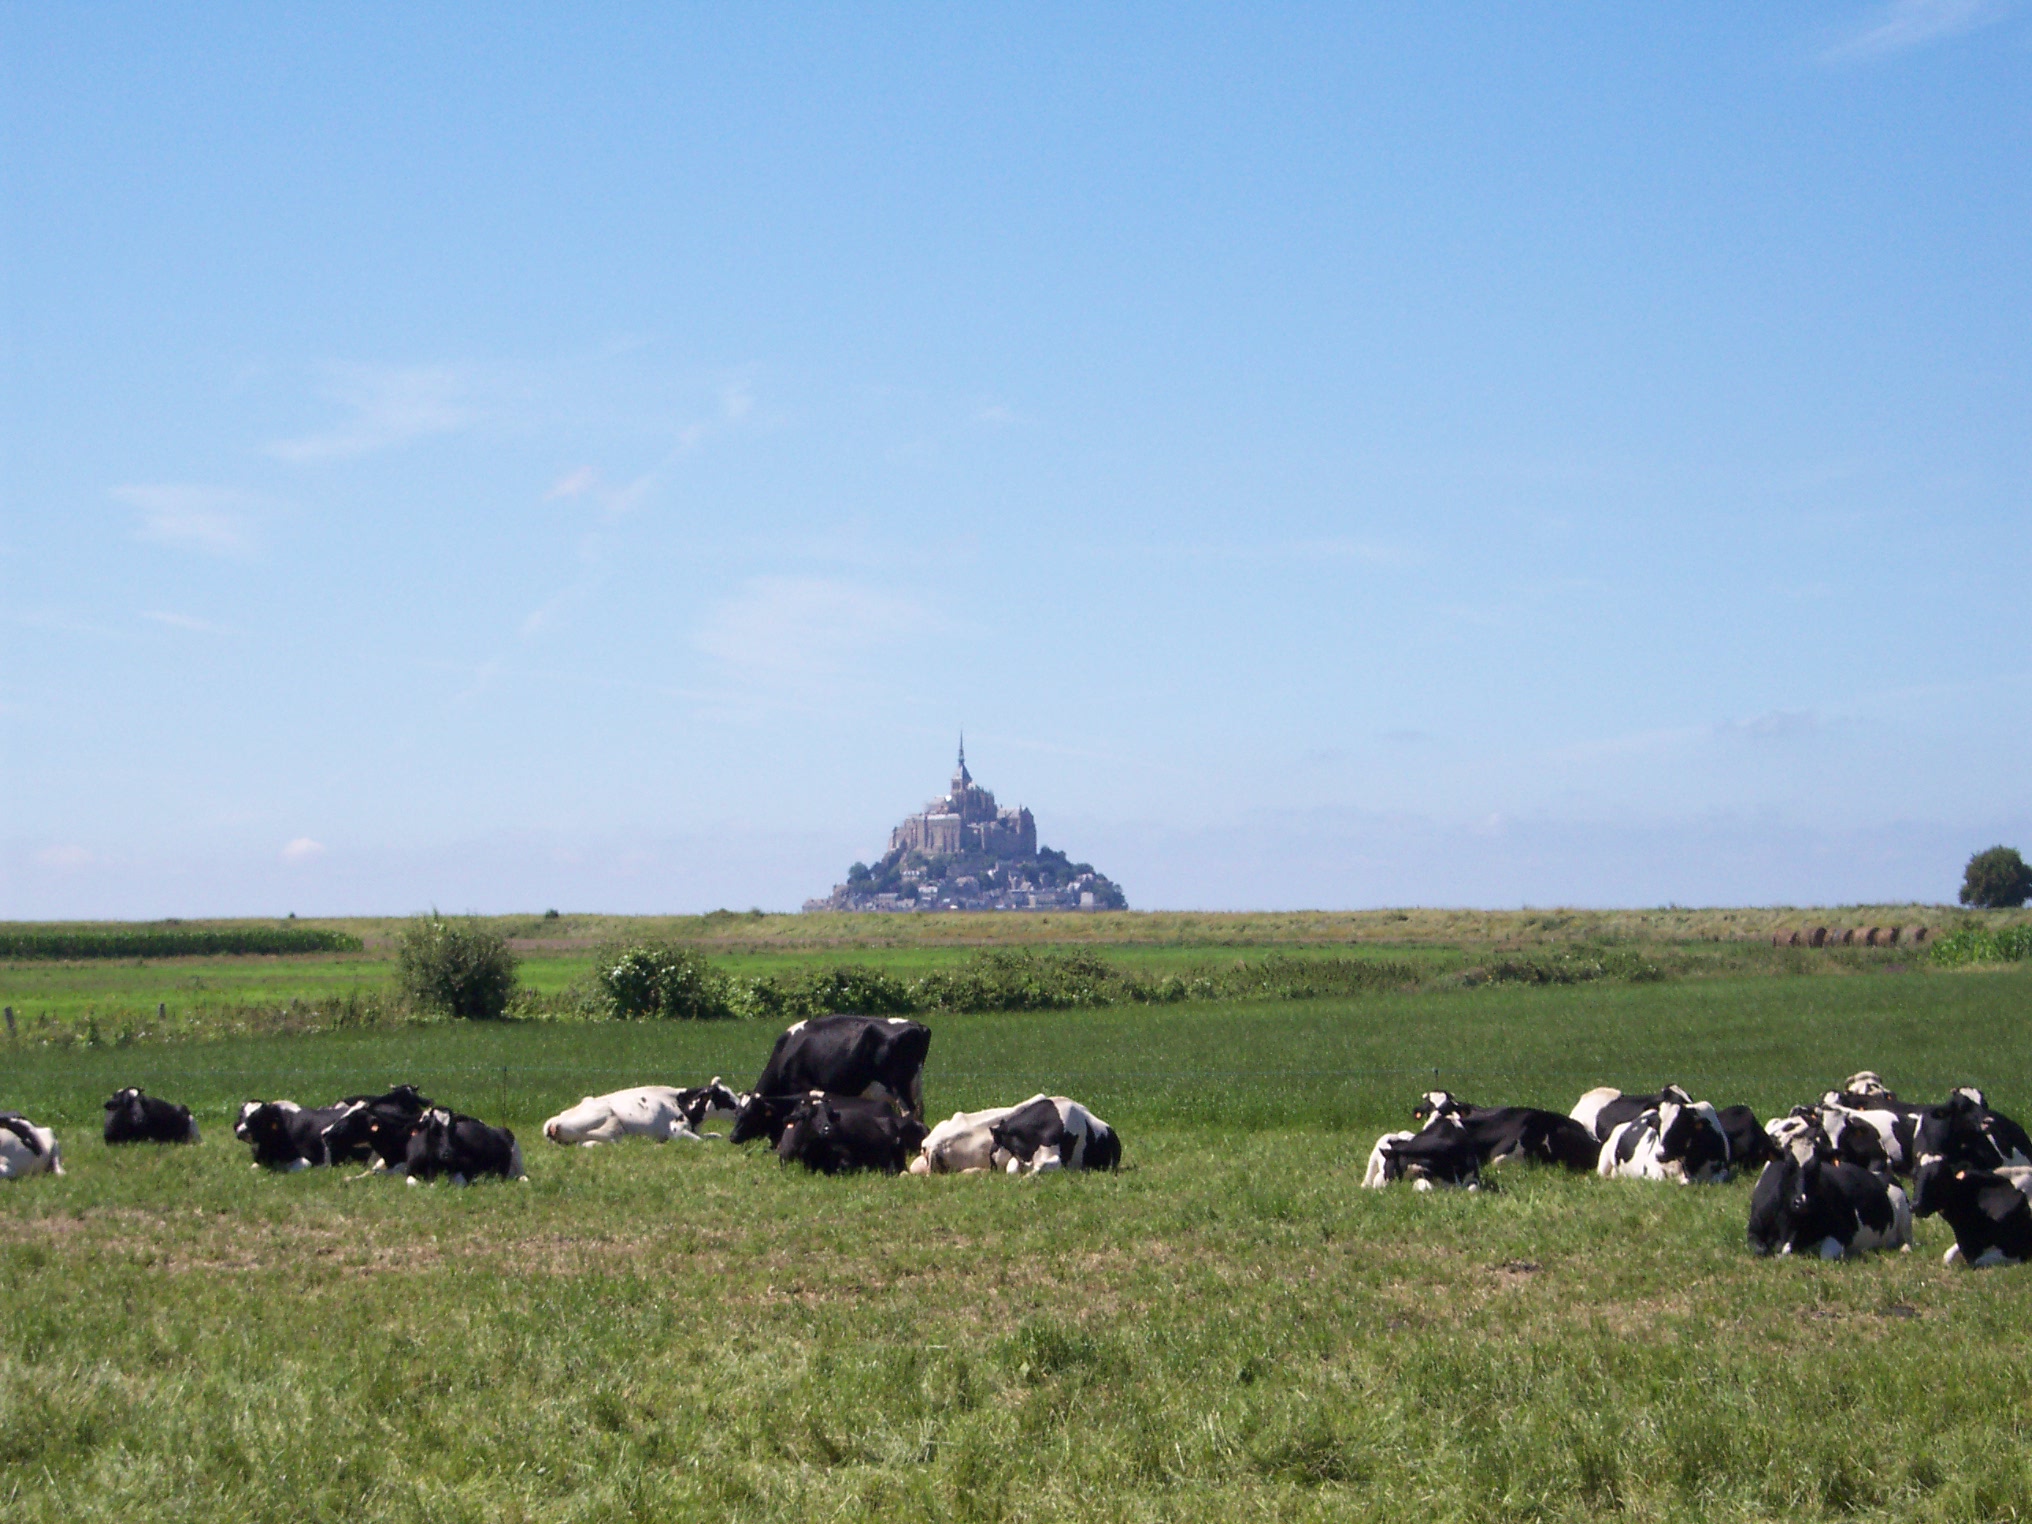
658 979
845 987
459 968
1018 980
1996 880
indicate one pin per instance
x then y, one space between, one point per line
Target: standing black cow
134 1117
880 1057
829 1134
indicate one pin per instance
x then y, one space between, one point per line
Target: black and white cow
376 1127
1605 1108
1050 1132
135 1117
1513 1132
1749 1143
1679 1141
661 1112
461 1148
1963 1133
284 1135
834 1134
1891 1121
880 1057
1988 1211
27 1149
1805 1203
963 1144
1440 1155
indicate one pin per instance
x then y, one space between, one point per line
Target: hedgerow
172 942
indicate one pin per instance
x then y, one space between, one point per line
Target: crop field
1228 1328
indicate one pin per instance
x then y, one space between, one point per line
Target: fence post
162 1010
10 1023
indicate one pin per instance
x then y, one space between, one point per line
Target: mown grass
1228 1328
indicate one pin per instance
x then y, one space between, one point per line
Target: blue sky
601 457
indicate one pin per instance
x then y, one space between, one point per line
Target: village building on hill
963 852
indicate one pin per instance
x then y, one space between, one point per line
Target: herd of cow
1834 1172
846 1092
838 1093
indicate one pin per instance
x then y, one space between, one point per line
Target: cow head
1690 1136
761 1116
1436 1103
245 1115
810 1130
1953 1132
713 1100
1867 1084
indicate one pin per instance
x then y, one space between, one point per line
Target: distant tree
1996 880
858 874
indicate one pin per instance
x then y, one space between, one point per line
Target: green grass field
1230 1327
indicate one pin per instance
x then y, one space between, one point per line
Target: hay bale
1817 937
1874 937
1916 934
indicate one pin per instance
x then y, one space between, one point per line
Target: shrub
657 979
1026 981
1996 880
457 967
845 987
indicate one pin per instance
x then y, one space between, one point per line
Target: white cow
26 1149
661 1112
962 1144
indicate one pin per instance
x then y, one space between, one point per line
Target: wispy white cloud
302 850
804 633
573 484
217 520
1907 24
386 406
615 503
1772 725
187 622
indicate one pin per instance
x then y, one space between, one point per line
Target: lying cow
833 1134
962 1145
1605 1108
135 1117
1962 1132
1806 1203
662 1112
1513 1132
26 1149
1678 1142
376 1127
880 1057
1441 1155
284 1135
1050 1132
461 1148
1987 1209
1749 1143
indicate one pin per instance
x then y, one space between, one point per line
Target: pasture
1230 1327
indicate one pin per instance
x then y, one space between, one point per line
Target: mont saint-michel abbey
966 820
962 852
